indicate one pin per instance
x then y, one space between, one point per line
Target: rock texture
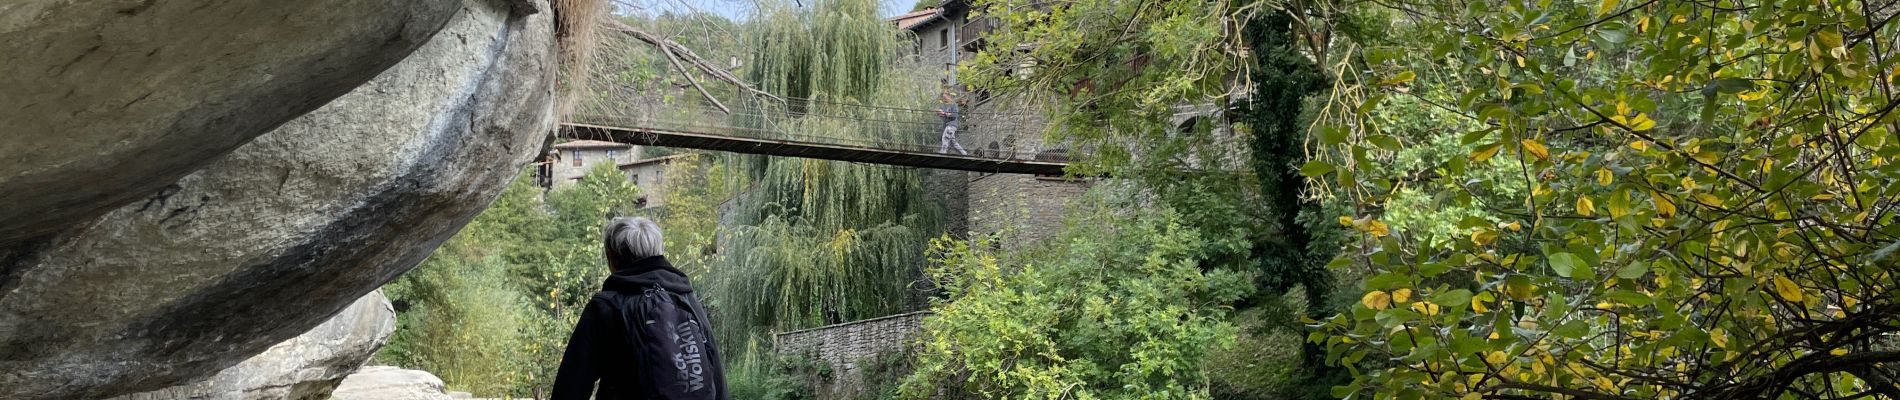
306 367
270 240
109 100
390 383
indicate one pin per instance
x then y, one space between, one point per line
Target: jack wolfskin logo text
688 360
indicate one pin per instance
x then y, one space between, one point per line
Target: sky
737 9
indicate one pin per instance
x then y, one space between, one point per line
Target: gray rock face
270 240
306 367
390 383
109 100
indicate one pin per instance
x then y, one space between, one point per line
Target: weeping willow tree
816 242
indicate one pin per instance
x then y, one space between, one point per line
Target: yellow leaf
1838 352
1377 229
1345 220
1484 237
1604 176
1496 357
1472 396
1477 305
1377 300
1664 207
1606 7
1426 308
1639 145
1709 199
1719 337
1520 290
1401 295
1787 289
1641 122
1485 153
1536 149
1514 226
1585 207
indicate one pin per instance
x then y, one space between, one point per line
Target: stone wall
1025 207
850 348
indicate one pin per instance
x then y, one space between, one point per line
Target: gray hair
629 239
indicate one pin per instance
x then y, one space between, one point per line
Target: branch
672 48
1581 394
694 81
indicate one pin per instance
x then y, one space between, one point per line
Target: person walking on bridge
644 335
950 113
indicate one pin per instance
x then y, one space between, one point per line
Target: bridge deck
823 151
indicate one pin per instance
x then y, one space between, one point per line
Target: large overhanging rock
306 367
105 101
273 238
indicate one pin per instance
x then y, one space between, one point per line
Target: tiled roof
579 144
914 18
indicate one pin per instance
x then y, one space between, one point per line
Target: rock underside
255 247
306 367
110 100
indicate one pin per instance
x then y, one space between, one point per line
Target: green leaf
1402 77
1386 142
1315 169
1721 86
1453 298
1612 35
1633 271
1628 297
1570 266
1574 329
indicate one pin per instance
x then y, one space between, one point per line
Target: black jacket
642 361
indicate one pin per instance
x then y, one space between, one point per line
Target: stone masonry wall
1028 207
850 347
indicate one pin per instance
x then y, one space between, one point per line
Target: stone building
1025 207
650 176
574 158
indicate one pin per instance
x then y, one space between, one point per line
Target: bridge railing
877 127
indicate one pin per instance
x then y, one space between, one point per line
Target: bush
1117 306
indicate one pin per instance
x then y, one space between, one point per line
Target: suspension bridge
903 137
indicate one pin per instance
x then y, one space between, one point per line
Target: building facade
650 176
573 159
1025 208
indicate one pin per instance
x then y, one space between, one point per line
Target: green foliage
815 242
1264 362
1679 200
464 321
1122 72
1117 306
491 310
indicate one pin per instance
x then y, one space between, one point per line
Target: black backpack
672 346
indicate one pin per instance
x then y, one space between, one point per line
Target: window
943 38
611 154
577 157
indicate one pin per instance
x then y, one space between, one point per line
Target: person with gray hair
668 354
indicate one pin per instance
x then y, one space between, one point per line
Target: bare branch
675 49
695 81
